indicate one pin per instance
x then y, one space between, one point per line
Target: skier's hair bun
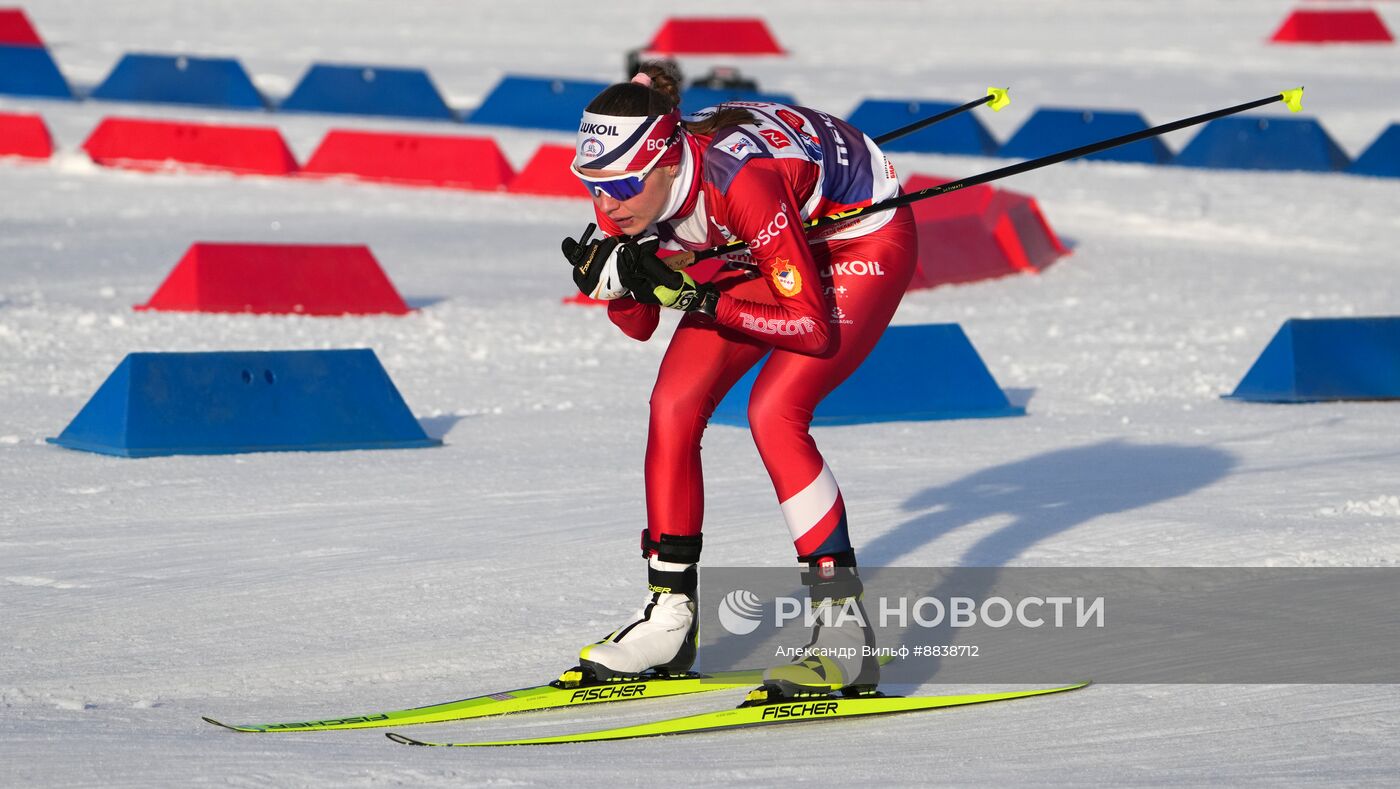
657 92
665 78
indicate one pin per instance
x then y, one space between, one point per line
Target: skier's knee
776 414
675 406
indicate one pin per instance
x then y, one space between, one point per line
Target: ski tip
1000 98
1293 98
402 740
221 724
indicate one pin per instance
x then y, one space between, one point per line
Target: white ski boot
660 639
839 657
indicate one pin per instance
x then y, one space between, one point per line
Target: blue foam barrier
1382 158
1263 143
695 99
536 103
30 71
914 373
244 401
1053 129
177 79
1327 359
368 90
960 134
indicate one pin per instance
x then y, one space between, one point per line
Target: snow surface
136 596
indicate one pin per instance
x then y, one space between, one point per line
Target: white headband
623 143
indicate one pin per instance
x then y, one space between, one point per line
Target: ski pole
997 97
1293 98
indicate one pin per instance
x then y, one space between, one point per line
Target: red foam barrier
24 135
15 30
303 279
1324 26
979 233
412 159
165 145
547 173
582 301
714 36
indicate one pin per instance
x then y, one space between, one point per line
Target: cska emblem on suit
786 278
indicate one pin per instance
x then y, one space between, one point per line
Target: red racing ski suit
818 307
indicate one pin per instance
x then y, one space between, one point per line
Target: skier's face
634 214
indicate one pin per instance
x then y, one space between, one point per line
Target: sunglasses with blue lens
619 187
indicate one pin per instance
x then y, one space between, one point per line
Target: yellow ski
538 697
764 714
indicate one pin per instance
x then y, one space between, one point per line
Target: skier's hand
634 260
653 282
595 264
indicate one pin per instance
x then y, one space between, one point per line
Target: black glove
653 282
633 272
595 264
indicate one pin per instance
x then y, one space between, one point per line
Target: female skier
752 171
